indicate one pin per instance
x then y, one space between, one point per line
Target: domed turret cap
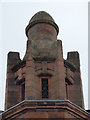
42 17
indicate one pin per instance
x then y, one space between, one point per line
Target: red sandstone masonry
44 59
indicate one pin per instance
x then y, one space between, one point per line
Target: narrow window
66 91
44 88
23 91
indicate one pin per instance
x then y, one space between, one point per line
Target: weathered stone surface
43 60
39 109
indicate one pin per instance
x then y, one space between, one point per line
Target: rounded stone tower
43 73
42 29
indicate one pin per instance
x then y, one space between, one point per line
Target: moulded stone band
42 21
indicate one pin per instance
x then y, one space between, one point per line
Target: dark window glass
23 91
66 90
44 88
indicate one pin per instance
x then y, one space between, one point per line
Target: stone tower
43 74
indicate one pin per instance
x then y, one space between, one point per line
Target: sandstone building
43 84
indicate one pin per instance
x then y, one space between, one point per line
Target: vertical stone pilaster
77 93
60 73
11 95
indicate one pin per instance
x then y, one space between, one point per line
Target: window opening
66 90
23 91
44 88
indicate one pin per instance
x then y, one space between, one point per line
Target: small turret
42 29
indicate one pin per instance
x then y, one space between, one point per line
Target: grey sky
72 19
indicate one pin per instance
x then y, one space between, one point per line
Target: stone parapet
46 109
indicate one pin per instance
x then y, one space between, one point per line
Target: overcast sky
72 19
